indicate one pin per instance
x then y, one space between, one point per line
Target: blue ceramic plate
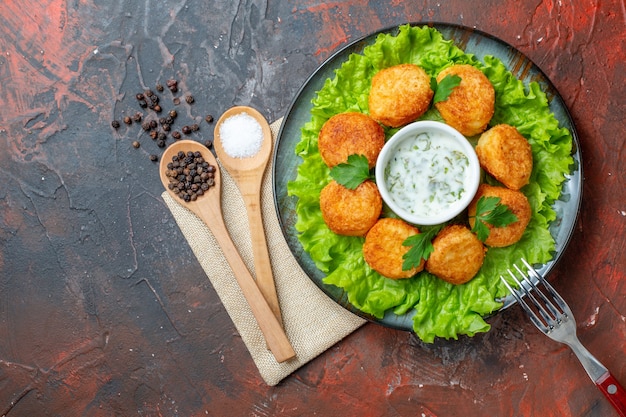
472 41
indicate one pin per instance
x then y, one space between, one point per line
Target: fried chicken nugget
457 256
350 133
400 94
470 105
516 201
383 249
350 212
505 154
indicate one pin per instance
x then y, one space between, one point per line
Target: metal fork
551 314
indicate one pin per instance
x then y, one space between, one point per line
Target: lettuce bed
440 309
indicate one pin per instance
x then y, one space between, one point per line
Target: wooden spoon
248 174
209 208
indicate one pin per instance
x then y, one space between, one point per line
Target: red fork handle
613 391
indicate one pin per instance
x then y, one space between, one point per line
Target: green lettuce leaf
439 309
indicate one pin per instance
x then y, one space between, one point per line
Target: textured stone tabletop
104 309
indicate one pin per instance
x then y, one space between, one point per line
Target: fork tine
533 317
556 297
547 319
552 315
547 310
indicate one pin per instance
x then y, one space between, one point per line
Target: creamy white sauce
427 174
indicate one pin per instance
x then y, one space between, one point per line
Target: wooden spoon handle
262 264
271 328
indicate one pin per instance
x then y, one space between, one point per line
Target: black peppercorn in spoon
248 174
208 207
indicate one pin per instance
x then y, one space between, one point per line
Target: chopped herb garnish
444 88
352 173
489 210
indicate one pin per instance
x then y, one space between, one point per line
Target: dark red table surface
104 310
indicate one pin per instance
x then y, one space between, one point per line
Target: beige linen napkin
312 321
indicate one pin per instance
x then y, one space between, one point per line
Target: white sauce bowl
427 173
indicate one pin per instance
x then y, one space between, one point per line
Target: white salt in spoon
208 207
248 174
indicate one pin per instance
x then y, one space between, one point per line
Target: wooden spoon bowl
208 207
248 174
249 166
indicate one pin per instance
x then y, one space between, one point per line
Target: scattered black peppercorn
172 85
193 178
208 143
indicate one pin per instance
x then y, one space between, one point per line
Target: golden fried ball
350 212
383 249
505 154
470 105
457 256
346 134
400 94
516 201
